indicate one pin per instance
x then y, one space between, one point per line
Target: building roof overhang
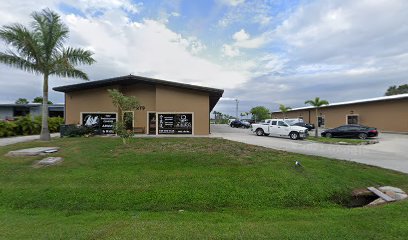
214 93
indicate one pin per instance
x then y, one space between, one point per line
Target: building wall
169 99
6 112
153 98
389 116
146 95
89 100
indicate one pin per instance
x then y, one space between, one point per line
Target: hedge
28 126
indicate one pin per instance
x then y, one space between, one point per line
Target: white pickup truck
279 127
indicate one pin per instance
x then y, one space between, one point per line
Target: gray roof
368 100
28 105
214 93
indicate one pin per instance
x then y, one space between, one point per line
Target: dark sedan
239 124
306 125
351 131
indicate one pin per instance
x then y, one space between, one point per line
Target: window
267 122
274 123
21 111
352 119
342 128
280 123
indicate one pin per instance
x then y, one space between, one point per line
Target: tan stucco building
165 107
388 114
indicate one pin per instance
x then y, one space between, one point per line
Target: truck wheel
294 135
259 132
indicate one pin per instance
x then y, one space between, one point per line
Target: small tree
260 113
22 101
284 109
124 104
40 100
317 103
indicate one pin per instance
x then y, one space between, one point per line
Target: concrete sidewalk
18 139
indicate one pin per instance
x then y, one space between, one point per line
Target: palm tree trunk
317 125
45 132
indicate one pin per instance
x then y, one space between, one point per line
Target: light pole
236 108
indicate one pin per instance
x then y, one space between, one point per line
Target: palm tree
284 110
41 50
317 102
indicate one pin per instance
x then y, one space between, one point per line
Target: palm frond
23 40
78 56
71 72
18 62
50 30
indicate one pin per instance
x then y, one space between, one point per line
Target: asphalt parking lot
391 152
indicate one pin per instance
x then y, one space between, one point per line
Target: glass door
152 123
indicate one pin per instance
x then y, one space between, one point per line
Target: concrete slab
50 161
32 151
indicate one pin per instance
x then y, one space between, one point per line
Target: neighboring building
388 114
180 108
11 111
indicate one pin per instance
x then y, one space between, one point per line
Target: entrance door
152 123
320 121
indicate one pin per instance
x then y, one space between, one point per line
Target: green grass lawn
189 188
351 141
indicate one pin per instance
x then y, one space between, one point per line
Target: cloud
240 36
230 51
148 48
122 46
231 2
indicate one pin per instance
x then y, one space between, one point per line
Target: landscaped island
188 188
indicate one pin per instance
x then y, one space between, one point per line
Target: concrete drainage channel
373 196
42 151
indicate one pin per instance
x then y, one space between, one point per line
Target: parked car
230 121
350 131
279 127
306 125
240 124
299 122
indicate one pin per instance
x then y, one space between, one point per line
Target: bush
75 131
7 129
28 126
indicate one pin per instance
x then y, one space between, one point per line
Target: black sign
101 122
180 123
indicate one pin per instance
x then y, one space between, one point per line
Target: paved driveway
391 152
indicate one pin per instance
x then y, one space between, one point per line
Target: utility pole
236 108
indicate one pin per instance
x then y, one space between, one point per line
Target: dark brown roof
214 93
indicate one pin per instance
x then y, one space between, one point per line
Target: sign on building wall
101 122
175 123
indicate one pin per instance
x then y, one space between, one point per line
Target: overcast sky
261 52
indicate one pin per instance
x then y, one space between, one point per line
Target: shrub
54 123
75 131
7 129
28 126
